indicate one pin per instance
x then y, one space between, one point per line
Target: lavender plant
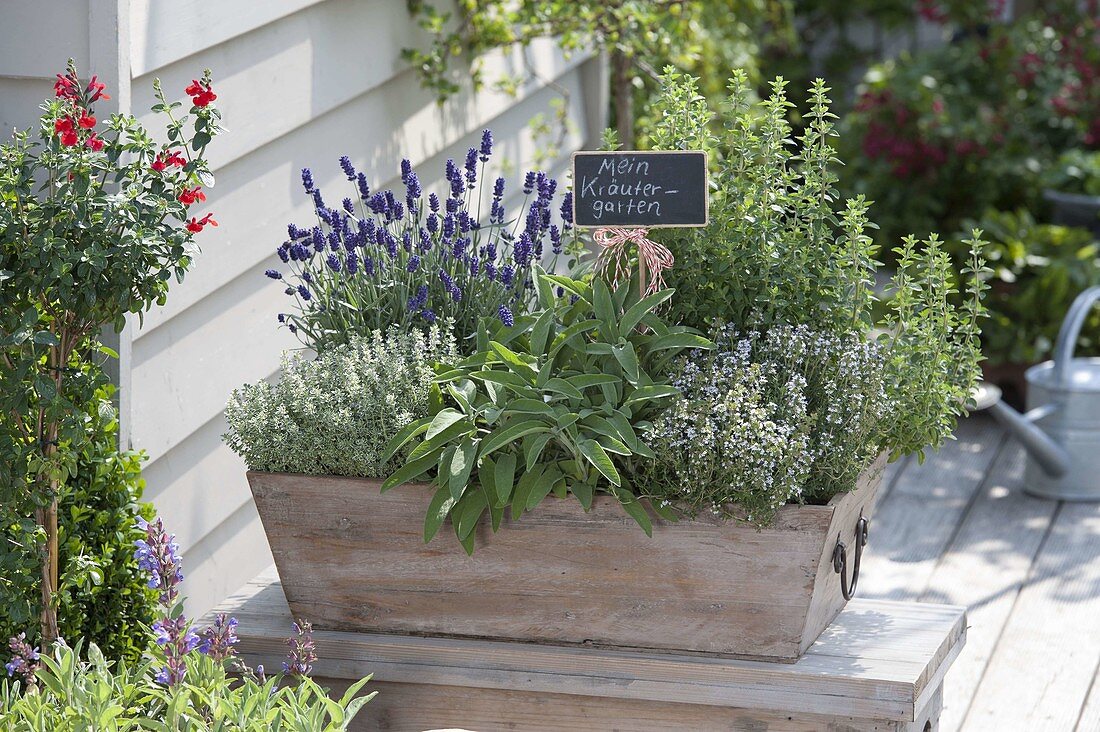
408 259
333 415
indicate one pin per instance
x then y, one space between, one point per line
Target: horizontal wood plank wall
37 38
300 82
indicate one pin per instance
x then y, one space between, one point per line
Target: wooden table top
878 660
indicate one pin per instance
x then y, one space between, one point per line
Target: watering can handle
1071 329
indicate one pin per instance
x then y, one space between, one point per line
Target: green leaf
457 429
441 504
645 393
628 359
532 449
461 465
545 483
541 330
584 493
407 432
594 453
505 473
442 421
46 338
515 382
506 435
410 471
496 508
524 487
605 309
638 310
583 381
571 332
563 387
512 360
468 512
576 287
679 340
634 507
530 406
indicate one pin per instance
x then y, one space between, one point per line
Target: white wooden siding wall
300 83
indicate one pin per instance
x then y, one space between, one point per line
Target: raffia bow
652 257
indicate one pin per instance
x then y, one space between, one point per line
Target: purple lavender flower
529 183
333 241
428 314
555 239
456 293
318 202
486 145
414 263
303 651
433 202
333 263
433 222
368 266
352 265
507 275
274 274
218 640
24 660
413 191
284 252
490 271
448 227
407 241
158 554
348 205
471 168
318 239
417 301
453 204
498 189
364 187
448 282
406 170
398 211
567 208
377 203
425 240
505 316
454 177
304 292
307 180
347 167
307 277
282 317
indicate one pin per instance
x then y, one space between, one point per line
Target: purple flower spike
218 640
307 180
505 316
303 652
486 145
347 167
274 274
158 554
24 660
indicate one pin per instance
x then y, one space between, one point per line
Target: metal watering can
1061 428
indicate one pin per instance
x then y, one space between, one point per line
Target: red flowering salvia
189 195
201 93
158 164
86 121
94 142
196 225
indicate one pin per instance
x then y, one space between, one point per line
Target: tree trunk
622 94
47 517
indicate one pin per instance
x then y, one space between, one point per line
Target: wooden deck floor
959 529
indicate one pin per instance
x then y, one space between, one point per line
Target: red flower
94 143
86 121
95 90
68 139
158 164
63 124
196 225
201 93
65 87
174 158
190 195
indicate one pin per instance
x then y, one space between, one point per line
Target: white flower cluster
335 414
790 414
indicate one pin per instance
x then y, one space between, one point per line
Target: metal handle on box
840 558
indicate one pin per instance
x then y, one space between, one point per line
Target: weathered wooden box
351 558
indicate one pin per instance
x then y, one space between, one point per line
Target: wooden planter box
351 558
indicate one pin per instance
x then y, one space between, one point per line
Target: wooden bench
879 666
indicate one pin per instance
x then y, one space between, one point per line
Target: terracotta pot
351 558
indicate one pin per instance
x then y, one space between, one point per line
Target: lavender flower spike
176 639
24 659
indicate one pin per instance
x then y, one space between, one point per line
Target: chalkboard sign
635 188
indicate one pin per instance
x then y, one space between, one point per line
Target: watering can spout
1050 456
